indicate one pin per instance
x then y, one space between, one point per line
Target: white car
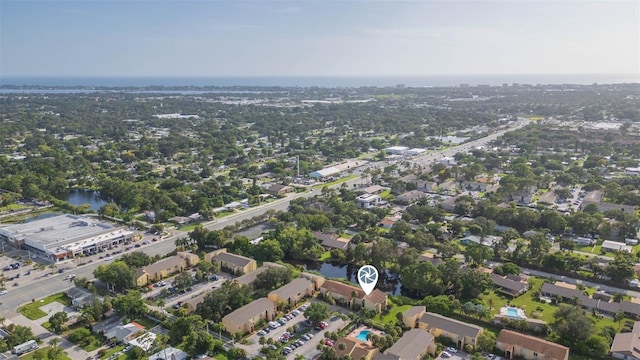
451 350
3 292
445 355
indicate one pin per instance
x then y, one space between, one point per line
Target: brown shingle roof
169 263
245 313
237 260
412 345
346 291
438 321
293 289
552 351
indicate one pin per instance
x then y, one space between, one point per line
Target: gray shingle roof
293 289
450 325
412 345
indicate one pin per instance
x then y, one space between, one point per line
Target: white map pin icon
368 278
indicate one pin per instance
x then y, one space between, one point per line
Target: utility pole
298 163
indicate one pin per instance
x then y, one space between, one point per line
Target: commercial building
62 237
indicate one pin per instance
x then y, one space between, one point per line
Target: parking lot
308 349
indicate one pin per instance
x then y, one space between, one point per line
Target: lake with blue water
79 197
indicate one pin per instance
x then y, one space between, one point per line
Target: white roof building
169 353
616 246
396 150
63 236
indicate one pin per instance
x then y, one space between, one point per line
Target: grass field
390 318
113 351
30 356
32 311
146 322
13 207
544 311
336 182
325 256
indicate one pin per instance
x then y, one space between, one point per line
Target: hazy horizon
317 38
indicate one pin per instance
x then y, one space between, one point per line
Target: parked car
451 350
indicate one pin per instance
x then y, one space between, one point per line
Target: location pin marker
368 278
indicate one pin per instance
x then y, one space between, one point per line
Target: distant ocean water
302 81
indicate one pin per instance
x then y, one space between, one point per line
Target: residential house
192 303
449 205
350 295
426 186
584 241
524 196
410 197
626 346
509 286
430 257
169 353
279 189
244 318
368 201
354 348
517 345
80 297
613 246
387 223
374 189
165 267
479 186
449 187
413 345
292 292
317 280
331 241
566 292
124 333
459 332
235 264
248 278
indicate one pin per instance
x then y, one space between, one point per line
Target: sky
318 38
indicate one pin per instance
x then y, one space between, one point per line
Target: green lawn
221 356
30 356
386 195
543 310
113 351
325 256
390 317
336 182
13 207
146 322
33 312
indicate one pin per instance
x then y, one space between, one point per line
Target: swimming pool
362 335
513 312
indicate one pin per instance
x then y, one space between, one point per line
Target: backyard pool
513 313
362 335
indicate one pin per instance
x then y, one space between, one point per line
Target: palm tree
53 267
54 342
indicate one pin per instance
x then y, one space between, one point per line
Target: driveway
53 308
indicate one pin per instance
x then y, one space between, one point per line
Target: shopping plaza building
63 237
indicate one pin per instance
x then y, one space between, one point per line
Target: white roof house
616 246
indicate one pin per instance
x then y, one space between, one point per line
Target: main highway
40 284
